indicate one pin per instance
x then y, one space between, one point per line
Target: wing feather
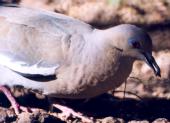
54 23
31 33
25 68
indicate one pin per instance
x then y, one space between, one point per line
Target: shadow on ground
127 109
106 105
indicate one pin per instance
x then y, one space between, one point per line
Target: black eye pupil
136 45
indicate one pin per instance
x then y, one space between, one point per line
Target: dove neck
111 36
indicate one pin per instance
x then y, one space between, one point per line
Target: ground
146 103
147 98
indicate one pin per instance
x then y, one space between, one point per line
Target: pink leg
12 100
68 112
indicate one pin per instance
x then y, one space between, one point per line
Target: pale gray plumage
86 61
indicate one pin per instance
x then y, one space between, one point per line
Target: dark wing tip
5 4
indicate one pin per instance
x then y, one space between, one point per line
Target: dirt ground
147 99
143 102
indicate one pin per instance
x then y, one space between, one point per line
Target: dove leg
13 102
68 113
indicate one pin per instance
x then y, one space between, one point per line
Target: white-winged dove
74 59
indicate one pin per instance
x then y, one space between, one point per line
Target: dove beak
152 63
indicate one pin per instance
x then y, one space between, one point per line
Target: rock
3 116
24 117
110 120
134 121
161 120
7 115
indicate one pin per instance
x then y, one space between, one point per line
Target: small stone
24 118
134 121
110 120
3 115
161 120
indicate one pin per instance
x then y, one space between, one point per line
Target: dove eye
136 45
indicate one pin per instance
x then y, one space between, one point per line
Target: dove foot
14 104
68 113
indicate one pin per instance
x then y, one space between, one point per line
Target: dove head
135 43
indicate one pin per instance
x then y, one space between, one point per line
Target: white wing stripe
23 67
